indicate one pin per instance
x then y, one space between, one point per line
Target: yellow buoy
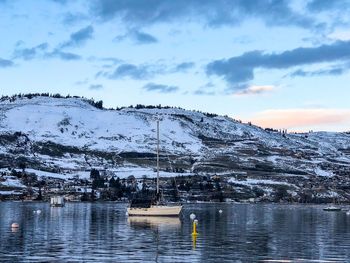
194 233
194 242
194 227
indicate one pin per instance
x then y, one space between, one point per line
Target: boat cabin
141 203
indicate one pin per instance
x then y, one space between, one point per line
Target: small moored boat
57 201
150 208
332 208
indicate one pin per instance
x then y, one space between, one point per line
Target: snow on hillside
75 123
68 136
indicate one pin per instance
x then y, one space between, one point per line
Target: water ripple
85 232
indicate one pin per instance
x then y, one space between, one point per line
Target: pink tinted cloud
252 90
303 119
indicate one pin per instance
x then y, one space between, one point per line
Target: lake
101 232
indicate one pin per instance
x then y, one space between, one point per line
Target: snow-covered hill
68 137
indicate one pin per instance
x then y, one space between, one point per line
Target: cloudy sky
277 63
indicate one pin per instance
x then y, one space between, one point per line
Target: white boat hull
155 210
332 208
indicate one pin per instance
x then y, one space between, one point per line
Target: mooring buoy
194 227
15 225
192 216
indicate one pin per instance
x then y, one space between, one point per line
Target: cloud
212 13
160 88
340 35
111 59
326 5
5 63
41 52
96 87
143 71
132 71
30 53
109 62
81 82
79 38
204 92
335 71
57 53
184 67
240 69
254 90
74 18
303 119
236 69
62 2
206 89
138 37
143 38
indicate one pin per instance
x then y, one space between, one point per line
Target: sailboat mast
157 157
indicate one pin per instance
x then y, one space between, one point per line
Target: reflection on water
154 222
85 232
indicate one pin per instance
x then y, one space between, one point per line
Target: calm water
84 232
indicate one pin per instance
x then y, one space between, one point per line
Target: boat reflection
14 229
154 222
55 212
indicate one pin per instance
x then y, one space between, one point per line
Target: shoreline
184 203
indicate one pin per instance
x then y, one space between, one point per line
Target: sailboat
149 207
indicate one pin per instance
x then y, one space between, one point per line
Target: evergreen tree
94 174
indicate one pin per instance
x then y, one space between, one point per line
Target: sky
280 64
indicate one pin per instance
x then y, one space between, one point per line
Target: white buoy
15 225
348 213
220 211
126 213
38 211
192 216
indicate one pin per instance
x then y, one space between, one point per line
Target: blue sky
277 63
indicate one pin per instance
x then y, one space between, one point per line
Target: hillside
67 137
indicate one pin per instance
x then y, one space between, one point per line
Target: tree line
97 104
